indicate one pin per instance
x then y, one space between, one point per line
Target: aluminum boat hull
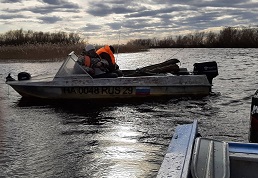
73 82
108 88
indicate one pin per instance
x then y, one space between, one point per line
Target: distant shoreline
50 52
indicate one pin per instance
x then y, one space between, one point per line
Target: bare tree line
228 37
21 37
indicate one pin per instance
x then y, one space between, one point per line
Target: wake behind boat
159 80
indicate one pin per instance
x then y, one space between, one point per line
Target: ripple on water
120 139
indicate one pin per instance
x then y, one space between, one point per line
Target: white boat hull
131 87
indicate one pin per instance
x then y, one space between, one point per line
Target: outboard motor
253 132
210 69
24 76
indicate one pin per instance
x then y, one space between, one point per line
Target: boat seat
243 159
210 159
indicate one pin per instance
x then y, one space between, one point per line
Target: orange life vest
106 49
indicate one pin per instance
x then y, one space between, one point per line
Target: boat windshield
70 67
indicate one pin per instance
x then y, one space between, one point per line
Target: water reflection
80 139
98 140
120 139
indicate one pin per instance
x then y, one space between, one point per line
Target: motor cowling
253 132
210 69
24 76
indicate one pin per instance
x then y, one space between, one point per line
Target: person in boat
107 52
93 64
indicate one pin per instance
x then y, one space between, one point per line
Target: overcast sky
113 21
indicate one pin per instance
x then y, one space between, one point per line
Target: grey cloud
99 10
191 17
46 10
91 27
11 1
50 20
121 2
142 18
158 12
54 2
224 3
143 13
11 16
137 24
102 9
50 9
201 22
244 14
61 4
63 7
202 18
202 3
115 25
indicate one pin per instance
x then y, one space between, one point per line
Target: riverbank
51 52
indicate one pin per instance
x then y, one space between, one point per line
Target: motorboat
159 80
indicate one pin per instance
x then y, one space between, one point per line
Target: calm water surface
70 139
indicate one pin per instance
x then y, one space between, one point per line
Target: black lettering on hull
98 90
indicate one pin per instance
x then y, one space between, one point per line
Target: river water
119 139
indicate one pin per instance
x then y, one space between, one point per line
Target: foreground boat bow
191 156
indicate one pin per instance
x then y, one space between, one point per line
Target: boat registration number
99 90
